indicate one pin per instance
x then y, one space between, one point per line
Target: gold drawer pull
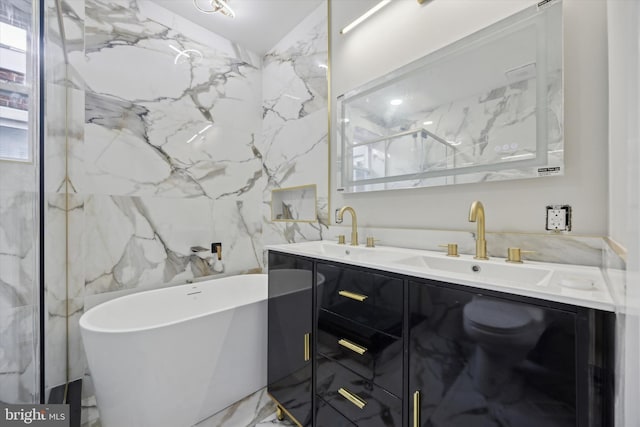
357 297
352 398
307 347
352 346
416 409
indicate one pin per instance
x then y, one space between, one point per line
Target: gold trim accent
294 188
329 129
452 249
352 295
352 346
416 409
353 398
291 417
307 347
279 413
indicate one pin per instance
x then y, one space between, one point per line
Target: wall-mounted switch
558 218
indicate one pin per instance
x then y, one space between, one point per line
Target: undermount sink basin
513 274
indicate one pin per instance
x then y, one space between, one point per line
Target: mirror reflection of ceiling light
215 6
365 16
187 54
455 143
518 156
199 133
428 122
325 66
395 102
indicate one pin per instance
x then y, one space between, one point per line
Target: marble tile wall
294 142
63 211
170 157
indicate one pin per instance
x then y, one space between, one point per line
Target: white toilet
504 333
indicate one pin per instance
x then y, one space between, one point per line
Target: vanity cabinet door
479 360
290 310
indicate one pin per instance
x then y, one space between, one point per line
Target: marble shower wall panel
64 286
142 242
56 71
238 225
168 124
64 138
18 317
294 142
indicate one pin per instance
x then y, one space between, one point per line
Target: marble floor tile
256 409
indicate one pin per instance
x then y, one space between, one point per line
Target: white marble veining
294 136
191 119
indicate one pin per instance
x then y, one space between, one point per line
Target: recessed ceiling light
395 102
428 122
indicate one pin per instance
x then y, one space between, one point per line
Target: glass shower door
19 194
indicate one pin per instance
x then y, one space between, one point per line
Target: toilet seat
498 317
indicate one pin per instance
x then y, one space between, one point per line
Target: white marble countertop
564 283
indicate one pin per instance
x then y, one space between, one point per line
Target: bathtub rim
88 328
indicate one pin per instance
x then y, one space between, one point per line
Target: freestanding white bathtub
174 356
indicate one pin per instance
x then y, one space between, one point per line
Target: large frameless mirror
487 107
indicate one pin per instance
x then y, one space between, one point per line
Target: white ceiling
258 25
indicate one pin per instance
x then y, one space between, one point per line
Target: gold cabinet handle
356 400
307 347
352 346
357 297
416 409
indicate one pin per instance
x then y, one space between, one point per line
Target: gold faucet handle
341 240
452 249
515 255
371 242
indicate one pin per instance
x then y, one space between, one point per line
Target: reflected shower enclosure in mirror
487 107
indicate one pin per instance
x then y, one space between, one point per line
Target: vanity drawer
326 416
358 399
372 299
372 354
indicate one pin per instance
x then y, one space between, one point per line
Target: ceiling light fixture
395 102
215 6
365 16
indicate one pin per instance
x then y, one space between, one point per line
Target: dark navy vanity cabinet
391 350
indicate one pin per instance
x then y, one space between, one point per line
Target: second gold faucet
354 222
476 214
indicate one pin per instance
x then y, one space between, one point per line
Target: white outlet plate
558 218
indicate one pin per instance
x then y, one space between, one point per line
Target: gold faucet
354 223
476 214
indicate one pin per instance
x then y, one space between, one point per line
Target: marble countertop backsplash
558 248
